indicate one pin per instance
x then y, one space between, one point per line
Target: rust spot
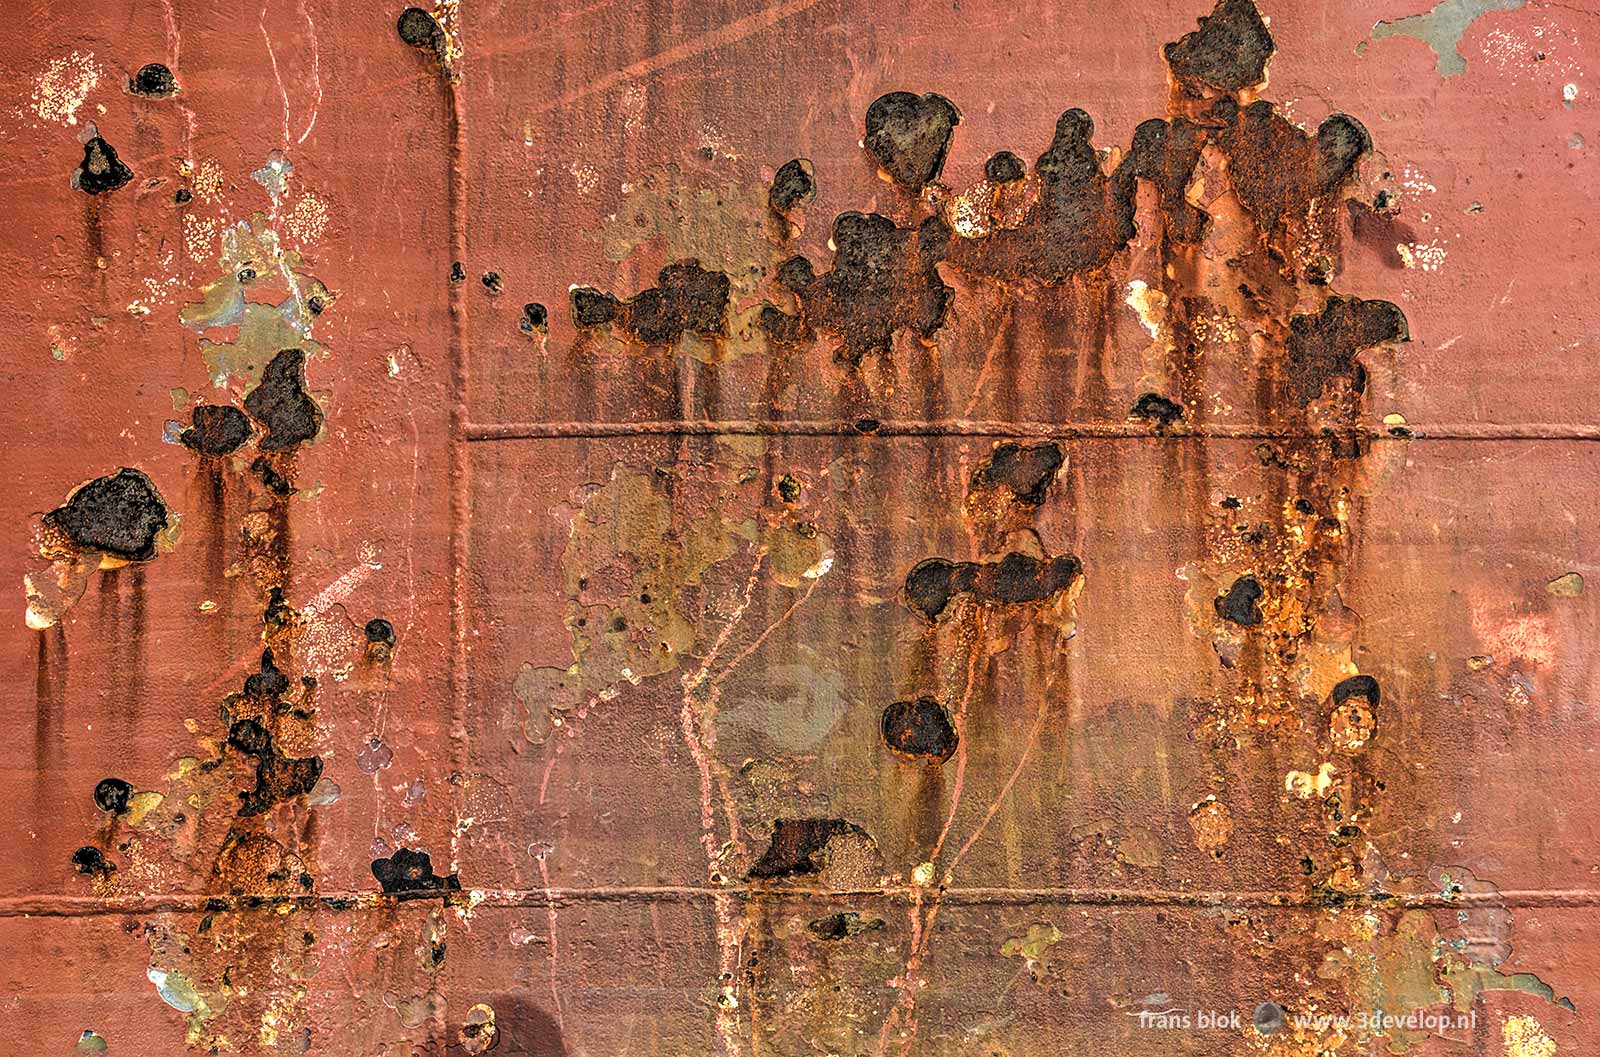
1324 346
1026 470
1240 605
101 170
1003 167
419 29
910 136
1355 713
278 777
218 429
534 318
255 864
111 795
120 515
281 404
687 297
799 845
92 861
919 729
408 874
1153 407
1077 224
885 279
1016 578
153 79
1228 53
793 187
842 925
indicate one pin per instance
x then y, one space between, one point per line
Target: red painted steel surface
649 599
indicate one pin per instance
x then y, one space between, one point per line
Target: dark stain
275 482
101 171
1016 578
1153 407
534 318
1362 686
1379 231
1003 167
686 298
1079 222
278 614
885 279
218 429
492 282
1324 346
91 860
379 630
269 681
111 795
842 925
380 639
795 274
183 196
1026 470
458 273
522 1029
1228 53
920 729
120 514
788 488
1239 604
910 136
281 404
418 29
793 186
798 845
1278 170
278 777
153 79
408 874
1164 153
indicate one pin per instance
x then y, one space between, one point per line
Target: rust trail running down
817 529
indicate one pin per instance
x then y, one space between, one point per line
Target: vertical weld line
459 459
460 482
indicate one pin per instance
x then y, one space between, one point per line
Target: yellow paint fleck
1525 1037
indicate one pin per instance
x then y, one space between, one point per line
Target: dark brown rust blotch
1324 346
281 404
101 170
1240 604
687 297
218 429
1016 578
1153 407
910 135
798 844
793 187
111 795
408 874
842 925
885 279
1227 53
1026 470
120 514
919 729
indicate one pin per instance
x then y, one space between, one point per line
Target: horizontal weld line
963 428
47 905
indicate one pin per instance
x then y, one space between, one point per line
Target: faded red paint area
649 604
